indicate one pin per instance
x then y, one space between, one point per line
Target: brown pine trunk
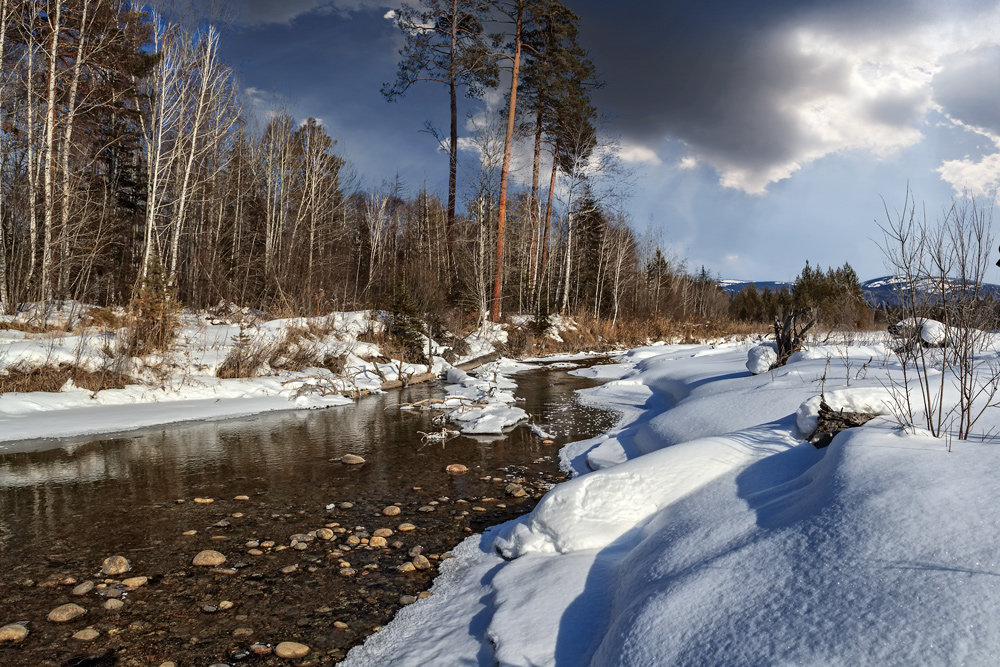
533 212
548 212
453 146
505 170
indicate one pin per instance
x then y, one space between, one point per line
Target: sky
756 135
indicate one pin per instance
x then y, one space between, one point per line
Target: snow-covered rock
761 358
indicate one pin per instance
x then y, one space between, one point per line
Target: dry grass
51 378
298 349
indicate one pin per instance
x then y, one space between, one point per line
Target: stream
296 526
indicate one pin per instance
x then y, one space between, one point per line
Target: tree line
128 159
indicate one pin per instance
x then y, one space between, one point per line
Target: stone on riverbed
352 459
86 635
391 510
83 589
66 612
114 565
208 558
291 650
456 469
13 633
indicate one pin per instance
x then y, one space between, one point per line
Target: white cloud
687 163
637 154
976 177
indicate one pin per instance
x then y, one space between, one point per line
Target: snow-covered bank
300 363
703 530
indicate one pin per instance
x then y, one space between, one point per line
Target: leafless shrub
940 268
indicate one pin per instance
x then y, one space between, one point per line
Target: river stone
113 605
288 569
340 625
377 542
324 534
421 563
456 469
208 558
353 540
86 635
407 567
225 604
351 459
407 599
189 533
114 565
241 498
345 505
66 612
291 650
405 527
515 490
382 532
204 501
13 632
243 632
84 588
415 551
391 510
255 552
348 572
424 594
135 582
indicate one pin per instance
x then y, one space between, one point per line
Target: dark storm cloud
254 13
968 87
725 76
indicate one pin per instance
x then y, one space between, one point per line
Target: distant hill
878 292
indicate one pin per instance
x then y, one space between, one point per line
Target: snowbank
702 530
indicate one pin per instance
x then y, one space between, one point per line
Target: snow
182 384
761 358
702 529
483 403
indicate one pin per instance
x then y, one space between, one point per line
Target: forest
130 161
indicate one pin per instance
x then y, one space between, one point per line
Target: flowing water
66 506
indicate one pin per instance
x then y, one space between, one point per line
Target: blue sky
759 135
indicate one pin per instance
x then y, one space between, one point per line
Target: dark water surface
63 510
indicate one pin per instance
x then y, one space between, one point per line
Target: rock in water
86 635
351 459
208 558
13 633
291 650
456 469
114 565
66 612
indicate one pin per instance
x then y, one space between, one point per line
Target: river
67 505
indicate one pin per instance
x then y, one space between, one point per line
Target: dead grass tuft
51 378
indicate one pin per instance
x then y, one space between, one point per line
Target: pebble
189 533
391 510
325 534
267 544
66 612
204 501
407 599
84 588
515 490
405 527
424 594
252 544
352 459
415 551
86 635
261 649
353 540
348 572
407 567
241 498
426 508
237 515
382 532
291 650
208 558
547 442
225 604
456 469
340 625
209 608
113 605
345 505
377 542
113 565
421 563
13 632
288 569
135 582
300 546
255 552
242 632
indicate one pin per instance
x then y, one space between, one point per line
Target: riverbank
705 503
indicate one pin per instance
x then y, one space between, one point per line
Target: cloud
758 91
636 154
